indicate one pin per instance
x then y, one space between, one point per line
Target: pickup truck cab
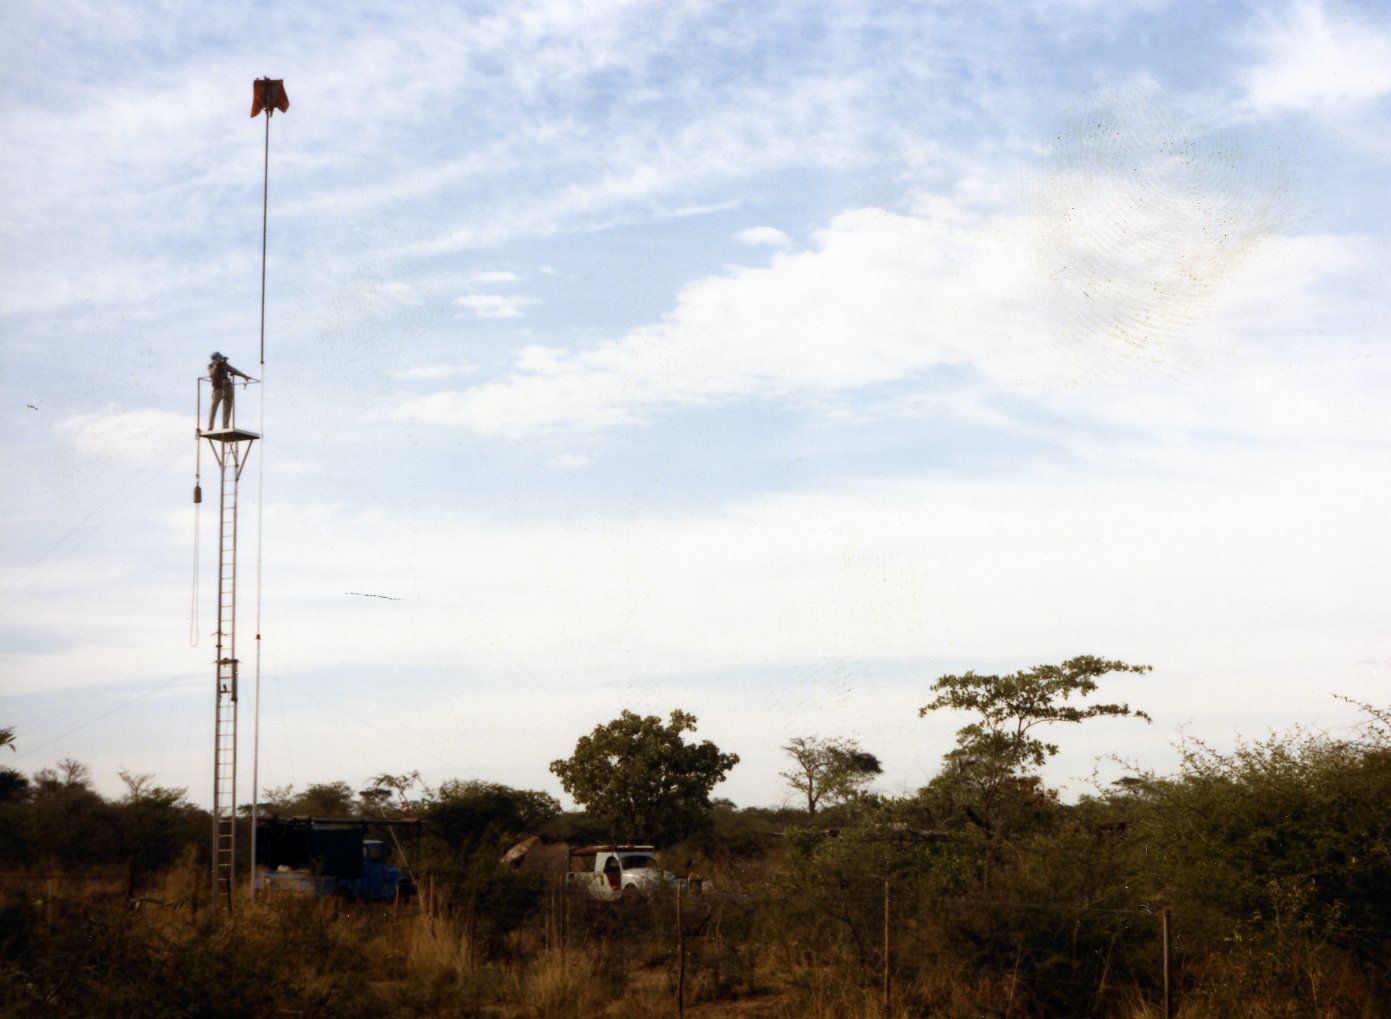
615 872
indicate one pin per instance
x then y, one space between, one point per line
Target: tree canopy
469 815
1000 747
828 771
643 778
321 799
13 785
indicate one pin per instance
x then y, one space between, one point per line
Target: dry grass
431 948
577 984
321 957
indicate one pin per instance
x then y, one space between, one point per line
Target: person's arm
242 374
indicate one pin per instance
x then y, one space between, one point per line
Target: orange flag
269 94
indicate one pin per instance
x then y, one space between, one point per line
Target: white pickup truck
616 872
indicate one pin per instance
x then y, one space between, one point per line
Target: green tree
321 799
1301 815
153 825
68 824
13 785
388 795
999 750
467 826
642 778
469 816
828 771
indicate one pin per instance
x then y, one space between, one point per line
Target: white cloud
396 289
571 461
534 359
493 278
868 304
903 571
1103 272
495 305
746 131
1312 59
133 435
431 372
763 236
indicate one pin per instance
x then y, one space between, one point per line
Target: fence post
564 917
886 949
549 922
680 958
1168 964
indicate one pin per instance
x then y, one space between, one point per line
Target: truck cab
613 872
324 857
376 880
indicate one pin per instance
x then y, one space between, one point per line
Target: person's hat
218 357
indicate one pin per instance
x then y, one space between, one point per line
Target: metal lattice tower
231 447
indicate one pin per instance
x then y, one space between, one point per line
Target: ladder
224 813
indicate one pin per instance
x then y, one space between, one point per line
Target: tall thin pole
680 957
260 489
1168 964
564 917
887 984
265 205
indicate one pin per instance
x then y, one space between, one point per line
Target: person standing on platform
221 372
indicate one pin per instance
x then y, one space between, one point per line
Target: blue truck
325 857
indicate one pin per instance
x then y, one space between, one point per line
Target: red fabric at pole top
269 94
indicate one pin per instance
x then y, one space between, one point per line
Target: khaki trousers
221 396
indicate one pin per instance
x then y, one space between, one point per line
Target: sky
766 361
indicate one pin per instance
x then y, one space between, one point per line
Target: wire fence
891 935
1141 912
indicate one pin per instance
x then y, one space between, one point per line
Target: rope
193 597
197 517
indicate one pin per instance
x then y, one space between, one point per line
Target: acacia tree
643 778
828 771
1000 748
386 794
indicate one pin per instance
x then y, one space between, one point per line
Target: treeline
1273 863
54 822
980 894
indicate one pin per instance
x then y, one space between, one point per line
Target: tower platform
228 435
